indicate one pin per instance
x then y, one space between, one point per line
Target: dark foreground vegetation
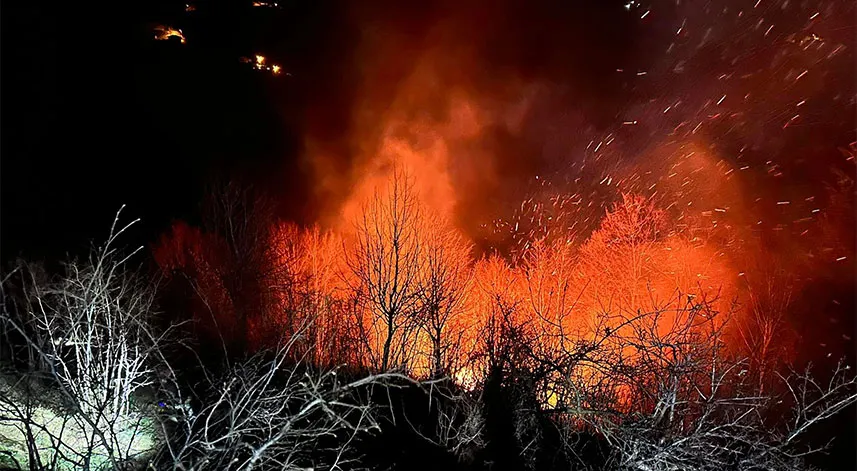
94 376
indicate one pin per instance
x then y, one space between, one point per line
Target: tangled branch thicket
92 377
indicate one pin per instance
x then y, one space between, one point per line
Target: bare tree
553 293
619 256
444 281
243 259
385 265
235 268
316 293
89 349
763 327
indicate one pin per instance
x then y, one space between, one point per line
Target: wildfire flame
671 226
261 62
164 33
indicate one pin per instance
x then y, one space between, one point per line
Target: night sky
97 114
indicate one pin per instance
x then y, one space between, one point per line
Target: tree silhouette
385 262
